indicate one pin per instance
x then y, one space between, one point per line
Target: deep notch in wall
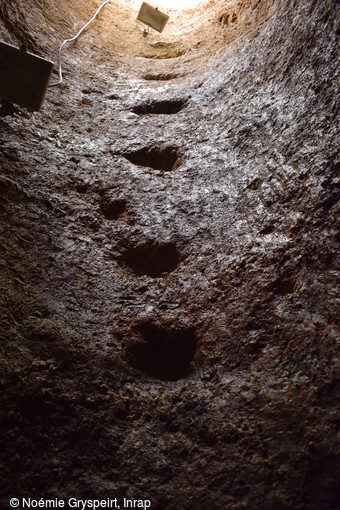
112 208
160 77
166 158
166 107
151 259
163 353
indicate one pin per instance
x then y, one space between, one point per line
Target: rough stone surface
171 331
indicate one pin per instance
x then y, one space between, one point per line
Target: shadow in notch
166 107
151 259
159 158
163 353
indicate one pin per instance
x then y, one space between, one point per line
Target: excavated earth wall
169 257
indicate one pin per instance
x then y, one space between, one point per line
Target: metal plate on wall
24 77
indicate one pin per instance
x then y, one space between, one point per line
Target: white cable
73 39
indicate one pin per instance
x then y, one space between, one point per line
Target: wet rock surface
172 332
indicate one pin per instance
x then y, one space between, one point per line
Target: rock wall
170 259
